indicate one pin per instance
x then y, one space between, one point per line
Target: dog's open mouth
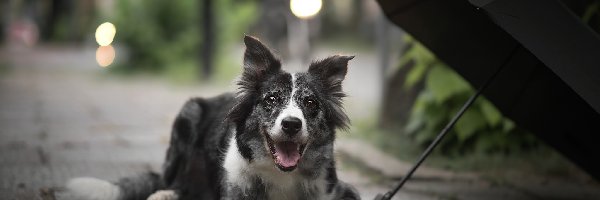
286 154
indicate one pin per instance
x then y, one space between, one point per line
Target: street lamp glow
305 8
105 33
105 55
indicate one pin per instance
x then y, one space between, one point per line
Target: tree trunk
208 43
397 100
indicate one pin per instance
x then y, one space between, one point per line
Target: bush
482 128
165 36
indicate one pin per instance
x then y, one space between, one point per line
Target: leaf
417 113
490 141
471 122
507 125
444 83
489 111
485 144
423 55
434 114
422 58
415 75
415 123
426 135
590 11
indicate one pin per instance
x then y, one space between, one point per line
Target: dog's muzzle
287 147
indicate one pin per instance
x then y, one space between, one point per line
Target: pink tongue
287 154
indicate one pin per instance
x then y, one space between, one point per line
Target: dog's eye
270 100
310 103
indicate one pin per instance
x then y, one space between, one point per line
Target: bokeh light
105 55
305 8
105 33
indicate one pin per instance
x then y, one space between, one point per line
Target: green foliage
421 56
156 33
591 10
165 36
482 127
444 83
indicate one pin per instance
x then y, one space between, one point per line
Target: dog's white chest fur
278 184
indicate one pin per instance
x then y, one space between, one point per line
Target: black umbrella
550 81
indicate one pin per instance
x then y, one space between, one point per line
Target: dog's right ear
259 62
258 59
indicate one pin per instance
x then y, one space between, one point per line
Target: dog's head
289 118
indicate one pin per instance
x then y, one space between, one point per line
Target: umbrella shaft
447 128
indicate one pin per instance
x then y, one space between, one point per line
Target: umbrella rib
447 128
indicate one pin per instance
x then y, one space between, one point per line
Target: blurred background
91 87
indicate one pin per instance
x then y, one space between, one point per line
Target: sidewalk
432 183
61 117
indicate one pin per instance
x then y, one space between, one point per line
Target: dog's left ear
331 70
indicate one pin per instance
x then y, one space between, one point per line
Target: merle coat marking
271 140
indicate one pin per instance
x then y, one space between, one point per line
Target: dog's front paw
164 195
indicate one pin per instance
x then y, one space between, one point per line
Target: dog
273 139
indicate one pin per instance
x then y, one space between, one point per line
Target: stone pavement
430 183
61 117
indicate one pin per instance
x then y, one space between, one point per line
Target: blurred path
61 117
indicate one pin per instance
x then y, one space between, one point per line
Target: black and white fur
272 140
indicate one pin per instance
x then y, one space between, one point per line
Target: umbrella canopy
550 84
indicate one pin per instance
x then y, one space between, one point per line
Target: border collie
272 140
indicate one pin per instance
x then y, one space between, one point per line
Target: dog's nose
291 125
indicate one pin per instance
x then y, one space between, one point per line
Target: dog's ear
258 59
259 62
331 71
